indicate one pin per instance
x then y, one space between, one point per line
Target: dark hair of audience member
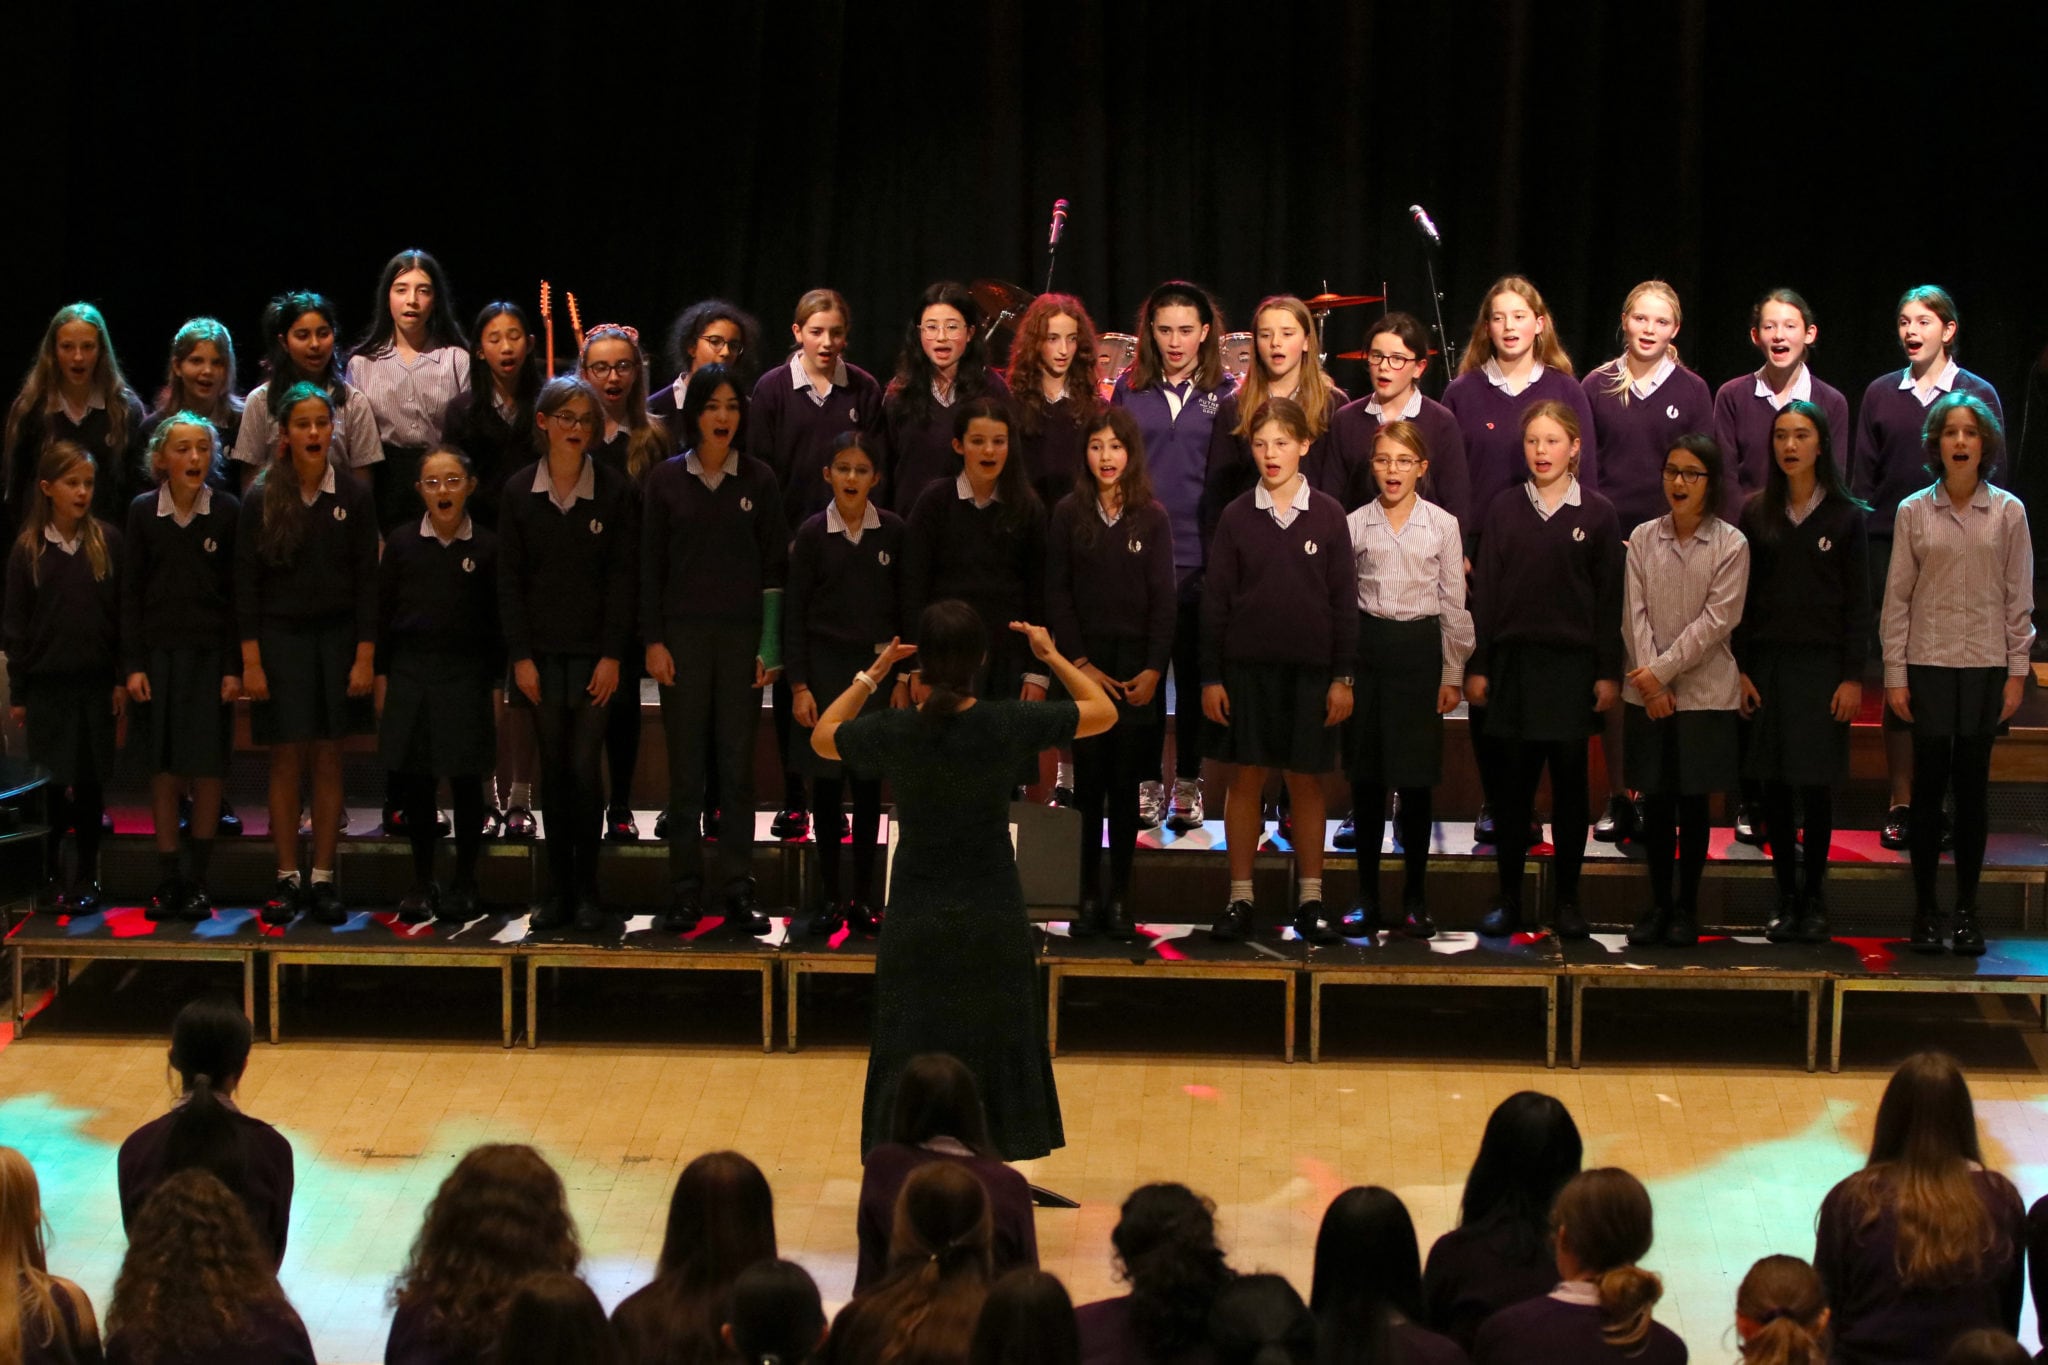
500 1216
1985 1346
1603 1221
1027 1319
776 1316
196 1277
210 1041
721 1219
937 1096
1368 1274
554 1318
1530 1149
1165 1239
1261 1320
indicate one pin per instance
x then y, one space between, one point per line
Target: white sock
1065 776
289 875
322 874
1311 890
520 794
1240 890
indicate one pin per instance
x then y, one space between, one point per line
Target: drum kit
1002 304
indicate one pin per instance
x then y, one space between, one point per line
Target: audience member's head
1603 1228
936 1096
1260 1320
500 1216
1027 1319
30 1315
1781 1314
554 1318
1368 1272
721 1219
1985 1347
1165 1239
1921 1170
938 1274
196 1277
210 1041
776 1316
1530 1149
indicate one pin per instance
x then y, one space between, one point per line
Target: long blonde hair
41 381
1550 352
646 438
28 1298
59 459
1312 393
1619 386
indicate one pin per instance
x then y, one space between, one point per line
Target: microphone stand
1052 255
1436 303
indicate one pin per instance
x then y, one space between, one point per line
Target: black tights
1107 770
1782 830
416 793
570 740
827 792
622 740
78 807
1964 763
1369 817
1675 825
1570 816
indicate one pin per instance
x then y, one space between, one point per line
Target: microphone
1420 217
1059 223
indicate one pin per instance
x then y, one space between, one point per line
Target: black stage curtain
172 160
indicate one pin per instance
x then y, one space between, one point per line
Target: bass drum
1237 354
1114 352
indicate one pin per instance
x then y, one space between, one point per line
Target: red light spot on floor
1201 1092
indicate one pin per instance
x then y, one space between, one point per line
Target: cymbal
1323 303
997 297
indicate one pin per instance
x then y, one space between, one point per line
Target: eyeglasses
1684 476
724 346
454 483
572 421
600 368
943 329
1383 360
1403 464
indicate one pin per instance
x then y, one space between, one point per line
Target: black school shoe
742 915
685 909
1649 931
1361 920
167 900
1503 919
324 903
1968 939
420 904
1926 935
661 827
826 920
229 825
84 898
198 903
1618 823
590 916
1122 927
791 824
1087 921
1749 825
1684 930
520 826
1416 923
862 917
552 913
459 903
1897 832
619 826
1311 925
1813 919
285 903
1346 837
1784 925
1571 924
1235 924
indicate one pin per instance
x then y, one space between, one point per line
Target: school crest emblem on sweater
468 565
853 414
1308 547
1578 533
596 527
1208 405
341 514
1672 412
746 504
210 545
1825 544
1135 545
882 557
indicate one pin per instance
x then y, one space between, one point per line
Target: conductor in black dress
954 971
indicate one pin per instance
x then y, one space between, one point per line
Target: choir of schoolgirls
429 542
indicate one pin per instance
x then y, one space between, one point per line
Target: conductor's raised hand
1042 646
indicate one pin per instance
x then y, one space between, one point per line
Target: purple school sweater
920 449
1742 428
1280 595
1449 485
1231 471
793 436
1549 1331
1888 462
1056 454
1177 458
1110 582
1555 583
1491 421
1635 436
709 554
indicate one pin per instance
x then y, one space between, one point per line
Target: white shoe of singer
1186 812
1151 804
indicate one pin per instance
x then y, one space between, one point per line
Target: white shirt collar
1805 509
462 532
1649 384
966 490
69 547
1263 499
1408 409
586 483
506 407
711 480
167 506
1570 499
59 403
1583 1293
1498 377
679 388
1941 383
1109 518
1802 388
945 398
326 484
836 524
800 378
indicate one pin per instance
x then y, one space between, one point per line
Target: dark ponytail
209 1050
952 643
1604 1218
